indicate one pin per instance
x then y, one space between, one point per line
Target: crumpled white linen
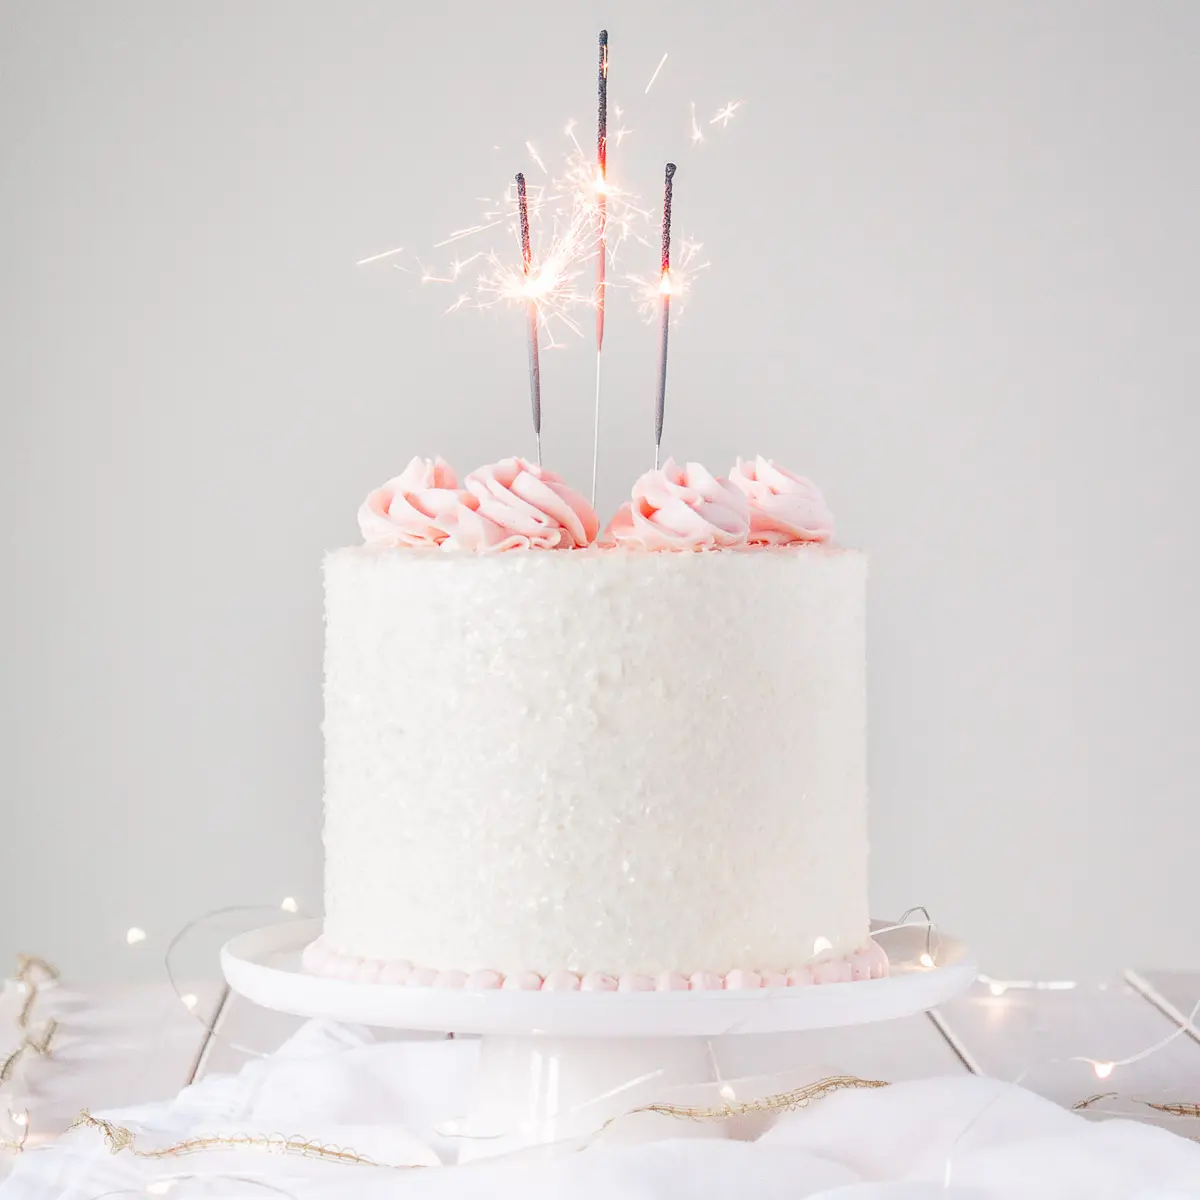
959 1138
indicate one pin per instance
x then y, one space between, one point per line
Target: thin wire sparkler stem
535 370
660 400
602 247
596 432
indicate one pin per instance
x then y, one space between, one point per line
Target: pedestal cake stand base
557 1065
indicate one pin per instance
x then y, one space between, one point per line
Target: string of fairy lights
36 1038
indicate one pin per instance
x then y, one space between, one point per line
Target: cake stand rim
252 968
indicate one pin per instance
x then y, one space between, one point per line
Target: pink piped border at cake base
320 958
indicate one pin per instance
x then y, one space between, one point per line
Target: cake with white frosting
565 759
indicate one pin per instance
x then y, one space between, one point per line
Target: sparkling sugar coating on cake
595 760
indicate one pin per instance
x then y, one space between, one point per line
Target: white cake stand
558 1064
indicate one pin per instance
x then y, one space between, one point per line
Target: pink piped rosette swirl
784 508
419 507
532 507
682 508
512 504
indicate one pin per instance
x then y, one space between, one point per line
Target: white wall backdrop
954 278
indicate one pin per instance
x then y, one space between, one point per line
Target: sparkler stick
535 370
602 248
665 313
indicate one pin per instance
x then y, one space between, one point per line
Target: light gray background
954 279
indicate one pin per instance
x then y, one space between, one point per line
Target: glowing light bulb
726 1092
189 1001
821 944
997 988
20 1118
289 904
1103 1069
135 935
926 959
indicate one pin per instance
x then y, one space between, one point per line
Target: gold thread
781 1102
118 1138
32 972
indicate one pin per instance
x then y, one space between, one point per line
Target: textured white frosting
595 760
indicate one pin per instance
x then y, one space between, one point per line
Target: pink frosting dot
483 981
800 977
523 981
315 958
707 981
633 982
370 971
860 965
345 966
740 981
829 971
878 960
450 980
673 981
561 981
774 979
421 977
396 971
598 981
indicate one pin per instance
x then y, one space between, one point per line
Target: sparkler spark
725 115
577 213
537 158
362 262
677 281
655 75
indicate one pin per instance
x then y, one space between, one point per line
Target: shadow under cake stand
556 1065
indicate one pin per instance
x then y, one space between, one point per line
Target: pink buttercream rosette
532 508
417 508
784 508
682 508
510 505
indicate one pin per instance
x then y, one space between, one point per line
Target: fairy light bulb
20 1118
134 935
1103 1070
926 959
289 904
821 944
189 1001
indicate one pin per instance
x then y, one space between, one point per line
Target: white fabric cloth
958 1138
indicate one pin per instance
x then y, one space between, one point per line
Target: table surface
1126 1044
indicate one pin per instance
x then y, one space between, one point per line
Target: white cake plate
557 1064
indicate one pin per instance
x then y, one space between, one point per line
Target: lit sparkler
601 187
660 401
535 370
577 212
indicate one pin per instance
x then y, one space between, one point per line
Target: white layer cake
595 760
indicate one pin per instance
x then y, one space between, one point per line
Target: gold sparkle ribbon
118 1138
32 972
